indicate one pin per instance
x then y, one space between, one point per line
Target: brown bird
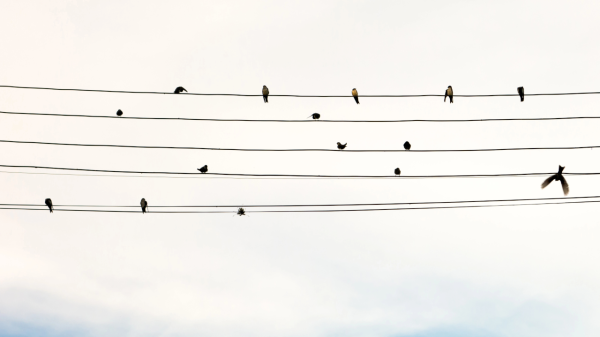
355 95
144 205
341 146
265 94
521 92
315 115
119 113
397 171
241 211
558 177
178 90
449 93
48 202
407 145
203 169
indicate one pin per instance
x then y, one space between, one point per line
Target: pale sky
489 272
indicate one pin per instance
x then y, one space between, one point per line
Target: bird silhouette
49 204
265 94
407 145
449 93
144 205
558 177
119 113
315 116
203 169
397 171
178 90
521 92
241 211
341 146
355 95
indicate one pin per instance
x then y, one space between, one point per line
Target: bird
241 211
341 146
178 90
558 177
449 93
355 95
315 115
266 94
144 205
203 169
397 171
521 92
119 113
407 145
49 204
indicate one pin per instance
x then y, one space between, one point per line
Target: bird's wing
548 181
564 184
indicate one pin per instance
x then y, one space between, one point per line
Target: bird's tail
445 99
356 99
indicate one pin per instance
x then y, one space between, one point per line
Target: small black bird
558 177
49 204
397 171
449 93
355 95
203 169
521 92
407 145
178 90
144 205
315 115
119 113
265 94
241 211
341 146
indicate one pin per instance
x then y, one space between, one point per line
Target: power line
303 211
295 150
307 120
318 205
304 175
275 95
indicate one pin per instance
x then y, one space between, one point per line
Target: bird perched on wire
558 177
241 211
203 169
397 171
355 95
265 94
341 146
179 90
49 204
119 113
449 93
144 205
521 92
315 115
407 145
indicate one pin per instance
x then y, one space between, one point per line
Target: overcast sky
490 272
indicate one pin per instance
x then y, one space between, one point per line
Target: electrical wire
308 120
305 175
275 95
296 150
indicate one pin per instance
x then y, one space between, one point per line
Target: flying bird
558 177
341 146
449 93
521 92
203 169
397 171
355 95
144 205
178 90
119 113
241 211
407 145
315 116
266 94
49 204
